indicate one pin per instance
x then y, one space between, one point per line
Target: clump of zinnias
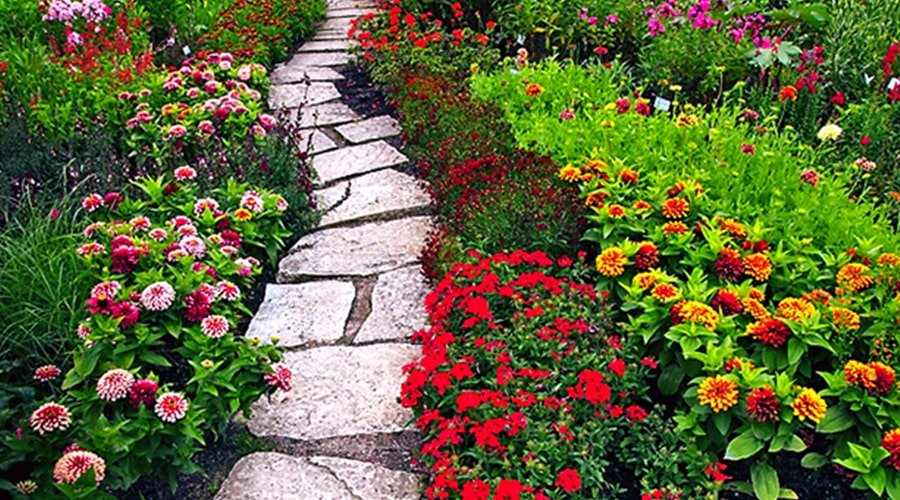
522 358
166 300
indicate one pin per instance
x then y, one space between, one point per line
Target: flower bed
713 234
159 365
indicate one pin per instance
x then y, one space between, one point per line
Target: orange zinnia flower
758 266
533 90
569 173
858 374
854 277
787 92
718 393
845 318
795 309
645 280
808 404
698 312
674 228
611 262
891 443
888 259
675 208
665 292
616 211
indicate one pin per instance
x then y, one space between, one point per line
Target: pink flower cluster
93 11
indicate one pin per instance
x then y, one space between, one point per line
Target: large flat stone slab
319 142
339 24
308 59
322 115
302 314
356 160
338 13
293 95
338 391
363 250
378 127
398 306
379 194
294 74
275 476
325 46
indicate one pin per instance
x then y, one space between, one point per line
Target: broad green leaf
744 446
765 481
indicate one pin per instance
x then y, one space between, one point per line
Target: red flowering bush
262 31
524 390
159 368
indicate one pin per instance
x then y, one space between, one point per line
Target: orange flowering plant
748 319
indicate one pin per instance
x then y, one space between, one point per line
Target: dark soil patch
360 94
825 483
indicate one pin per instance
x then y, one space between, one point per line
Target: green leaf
876 480
795 444
670 379
814 460
836 419
788 494
744 446
722 422
765 481
155 359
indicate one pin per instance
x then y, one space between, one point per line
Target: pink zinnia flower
83 331
185 173
106 290
214 326
228 291
143 391
252 200
158 297
50 417
171 407
90 249
196 306
244 267
46 373
281 378
809 176
92 202
281 204
115 384
140 223
566 114
193 246
158 234
267 121
206 127
205 203
176 131
74 464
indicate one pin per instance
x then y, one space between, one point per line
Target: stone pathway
348 297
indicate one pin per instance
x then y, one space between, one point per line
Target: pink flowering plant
160 367
180 113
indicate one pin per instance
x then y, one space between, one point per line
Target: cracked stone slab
339 13
300 314
339 24
319 142
296 94
355 160
327 114
276 476
325 46
285 74
363 250
338 391
383 192
378 127
398 306
329 35
308 59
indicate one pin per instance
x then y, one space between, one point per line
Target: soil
360 94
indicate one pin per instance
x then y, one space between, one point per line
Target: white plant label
186 50
662 104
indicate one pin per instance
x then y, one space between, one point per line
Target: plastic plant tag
186 50
662 104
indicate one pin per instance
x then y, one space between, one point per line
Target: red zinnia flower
568 480
143 391
74 464
46 372
729 266
770 331
171 407
891 443
115 384
727 302
646 257
763 405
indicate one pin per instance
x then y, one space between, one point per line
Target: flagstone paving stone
275 476
325 46
378 127
363 250
321 115
296 94
398 306
304 313
340 391
370 196
356 160
296 74
307 59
